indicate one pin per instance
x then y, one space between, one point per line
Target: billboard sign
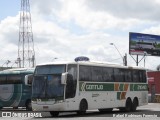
144 44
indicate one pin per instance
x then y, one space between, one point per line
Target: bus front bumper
49 107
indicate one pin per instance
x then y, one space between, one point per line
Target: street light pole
116 49
124 58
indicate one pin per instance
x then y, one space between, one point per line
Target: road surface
148 112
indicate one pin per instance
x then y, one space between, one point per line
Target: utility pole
26 53
125 60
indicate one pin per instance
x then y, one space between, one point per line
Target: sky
65 29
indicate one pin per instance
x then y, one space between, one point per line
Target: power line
114 59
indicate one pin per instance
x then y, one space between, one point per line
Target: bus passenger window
119 75
128 76
135 74
14 79
97 74
144 76
108 74
3 79
85 73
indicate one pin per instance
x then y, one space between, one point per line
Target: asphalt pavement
148 112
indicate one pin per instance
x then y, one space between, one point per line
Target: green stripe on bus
88 86
138 87
131 87
118 95
121 87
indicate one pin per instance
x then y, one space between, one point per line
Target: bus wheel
28 105
134 104
128 106
83 107
54 113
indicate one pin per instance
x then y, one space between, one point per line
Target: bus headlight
34 102
59 101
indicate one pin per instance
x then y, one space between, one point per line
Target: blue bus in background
13 90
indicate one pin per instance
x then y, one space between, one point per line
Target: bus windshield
47 82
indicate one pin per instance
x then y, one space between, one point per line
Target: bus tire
83 106
128 106
54 113
134 104
28 105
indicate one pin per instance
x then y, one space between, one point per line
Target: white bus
145 45
84 85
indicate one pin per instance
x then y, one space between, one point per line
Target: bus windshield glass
50 69
47 82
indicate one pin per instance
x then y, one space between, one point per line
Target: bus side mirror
28 79
64 78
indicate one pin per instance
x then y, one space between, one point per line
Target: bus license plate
45 107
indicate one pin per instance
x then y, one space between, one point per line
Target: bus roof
93 63
17 71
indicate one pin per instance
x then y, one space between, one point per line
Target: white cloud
9 39
92 19
152 30
46 7
9 29
139 9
